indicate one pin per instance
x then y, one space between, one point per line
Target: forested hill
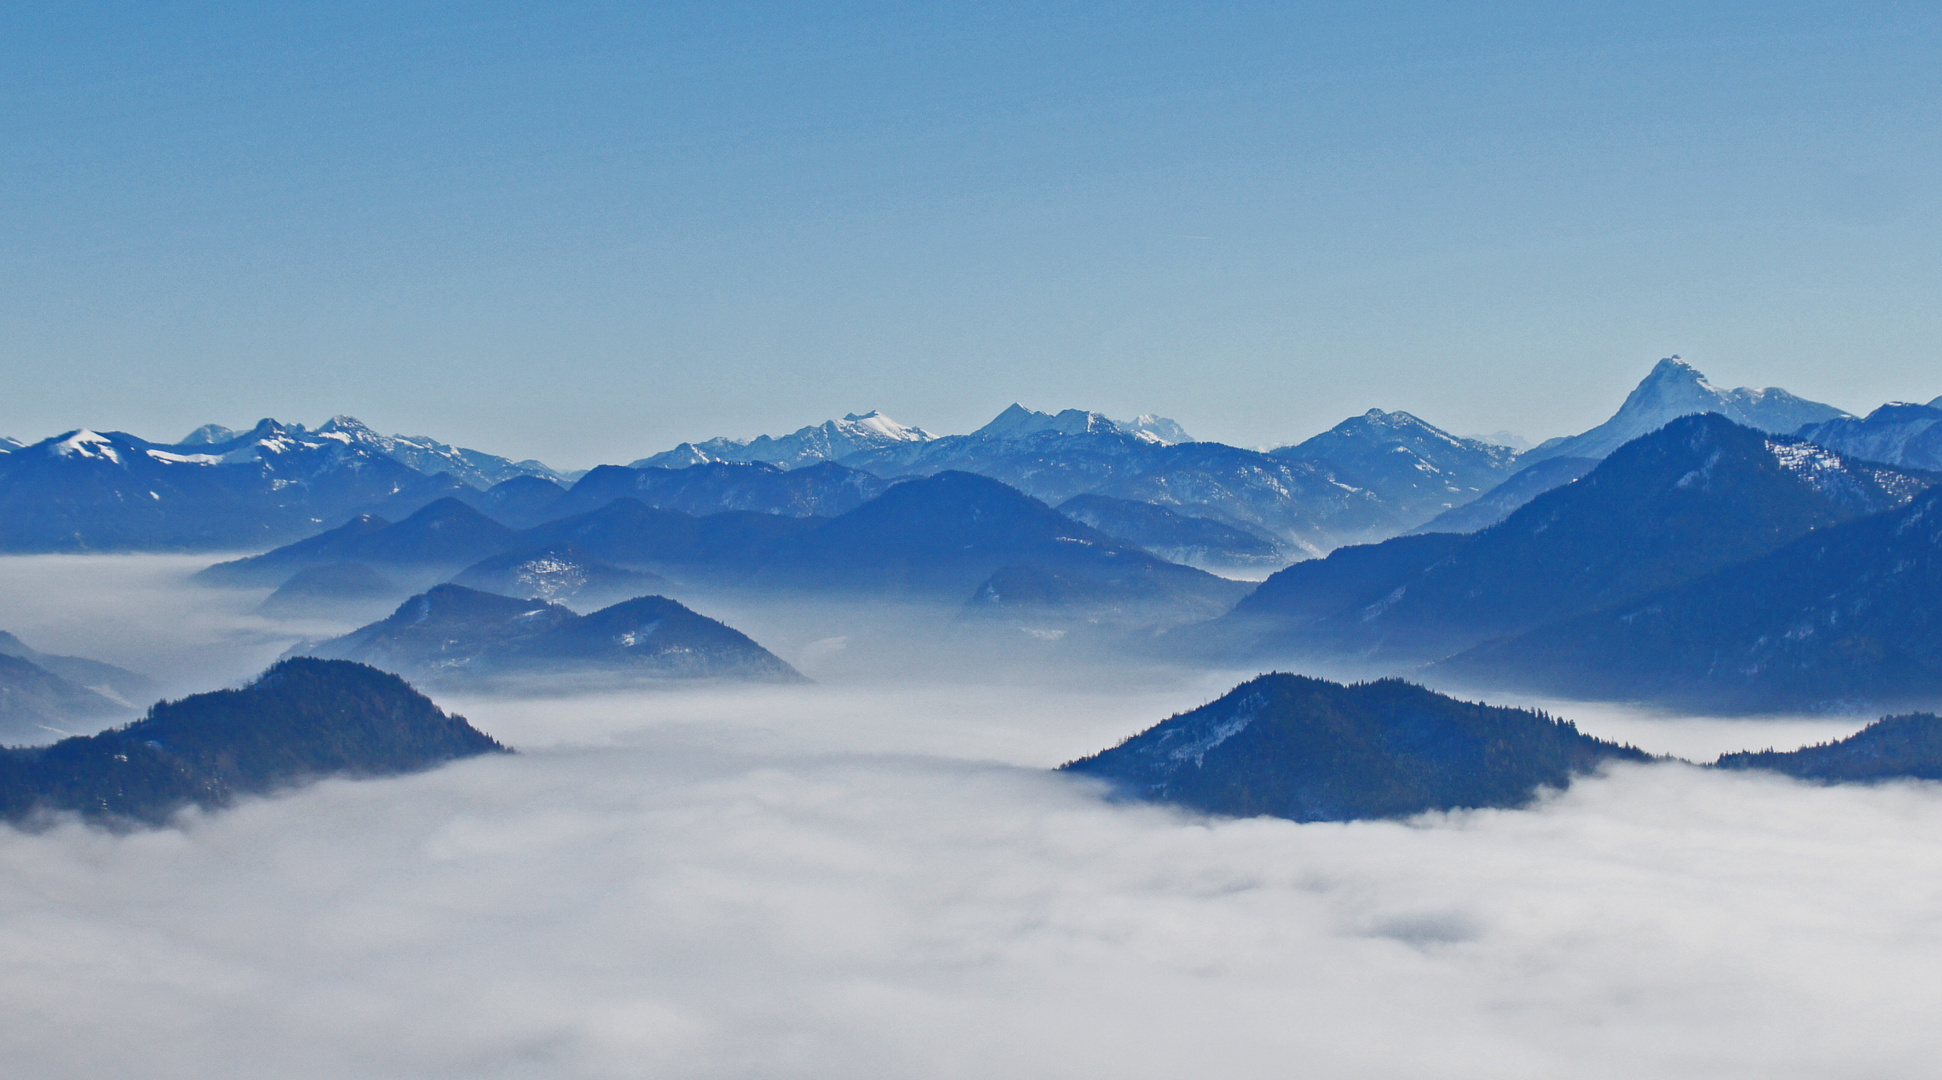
302 720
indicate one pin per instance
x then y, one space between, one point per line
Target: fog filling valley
878 875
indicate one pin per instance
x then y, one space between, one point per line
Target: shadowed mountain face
302 720
559 572
1173 536
1842 619
1675 389
1698 495
1311 750
453 635
1892 748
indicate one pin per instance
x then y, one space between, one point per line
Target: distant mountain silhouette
1311 750
302 720
447 534
453 635
1699 494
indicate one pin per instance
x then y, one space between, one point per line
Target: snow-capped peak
881 425
1018 422
85 444
1674 389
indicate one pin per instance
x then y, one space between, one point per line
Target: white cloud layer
883 881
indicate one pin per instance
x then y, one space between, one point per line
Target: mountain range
1695 496
1371 477
939 537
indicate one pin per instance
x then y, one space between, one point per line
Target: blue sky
586 232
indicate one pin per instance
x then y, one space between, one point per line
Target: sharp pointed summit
1675 389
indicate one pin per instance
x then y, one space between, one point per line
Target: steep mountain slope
1675 388
1310 750
453 635
1171 535
828 441
1844 618
1897 433
302 720
1420 470
1699 494
1504 500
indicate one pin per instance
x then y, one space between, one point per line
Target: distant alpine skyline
583 234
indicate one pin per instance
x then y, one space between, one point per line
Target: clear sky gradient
585 232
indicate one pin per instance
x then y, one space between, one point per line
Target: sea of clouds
883 879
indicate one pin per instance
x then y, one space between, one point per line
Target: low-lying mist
876 876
